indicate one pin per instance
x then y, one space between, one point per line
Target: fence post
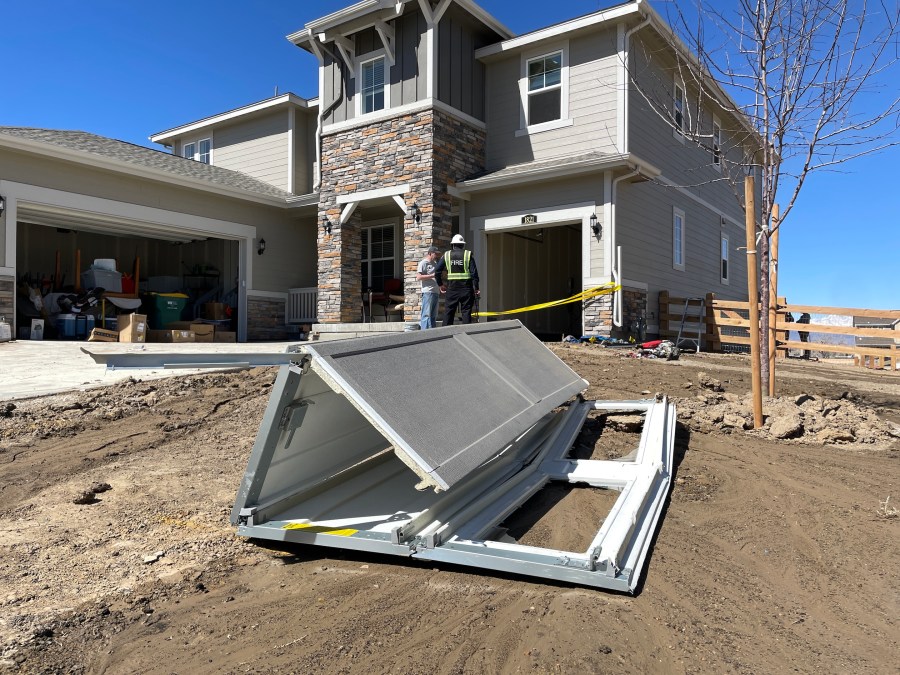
753 293
773 297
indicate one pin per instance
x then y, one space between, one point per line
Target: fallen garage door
423 444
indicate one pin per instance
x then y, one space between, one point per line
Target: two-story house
568 157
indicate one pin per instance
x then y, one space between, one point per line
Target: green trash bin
164 308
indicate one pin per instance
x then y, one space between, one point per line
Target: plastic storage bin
74 326
105 279
164 309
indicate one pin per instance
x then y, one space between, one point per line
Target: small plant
885 510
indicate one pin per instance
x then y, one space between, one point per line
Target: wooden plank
892 314
835 349
840 330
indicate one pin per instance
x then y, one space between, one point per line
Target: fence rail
726 327
301 305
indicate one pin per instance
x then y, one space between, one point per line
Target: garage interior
529 266
55 253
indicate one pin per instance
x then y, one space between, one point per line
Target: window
717 144
725 270
545 89
678 239
678 112
189 150
373 90
203 156
377 256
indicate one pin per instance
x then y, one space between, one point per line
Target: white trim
362 61
400 202
10 216
621 90
545 126
716 141
679 133
9 271
454 192
169 134
347 212
400 110
292 118
556 30
676 214
389 191
608 216
705 204
131 169
725 256
563 49
386 33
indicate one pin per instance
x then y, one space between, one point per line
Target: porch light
262 247
414 212
595 226
2 204
326 225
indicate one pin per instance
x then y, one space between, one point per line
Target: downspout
317 178
616 251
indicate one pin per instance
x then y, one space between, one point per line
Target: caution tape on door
585 295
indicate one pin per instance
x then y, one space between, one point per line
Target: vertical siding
593 64
460 76
258 147
304 151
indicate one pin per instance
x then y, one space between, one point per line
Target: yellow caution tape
320 529
587 294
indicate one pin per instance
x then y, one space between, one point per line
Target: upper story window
372 74
200 151
678 112
678 239
717 143
544 89
725 270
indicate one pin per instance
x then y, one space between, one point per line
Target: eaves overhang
120 166
526 174
163 137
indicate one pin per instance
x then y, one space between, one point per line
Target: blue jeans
429 310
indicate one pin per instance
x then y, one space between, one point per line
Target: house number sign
529 220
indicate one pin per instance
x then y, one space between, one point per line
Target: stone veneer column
428 150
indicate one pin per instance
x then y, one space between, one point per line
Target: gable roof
87 148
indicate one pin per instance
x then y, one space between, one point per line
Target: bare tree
811 79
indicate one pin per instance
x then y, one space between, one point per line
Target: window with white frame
678 110
678 235
200 150
544 90
373 92
717 143
725 269
378 256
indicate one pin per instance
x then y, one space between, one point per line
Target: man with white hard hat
462 280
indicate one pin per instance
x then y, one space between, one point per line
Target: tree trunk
764 272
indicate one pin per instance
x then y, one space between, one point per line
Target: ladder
693 342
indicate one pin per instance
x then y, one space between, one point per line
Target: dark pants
462 295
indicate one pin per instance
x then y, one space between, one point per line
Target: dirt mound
804 418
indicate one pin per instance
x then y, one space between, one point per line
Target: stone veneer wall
7 289
598 313
266 319
428 149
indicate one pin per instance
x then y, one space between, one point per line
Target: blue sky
129 68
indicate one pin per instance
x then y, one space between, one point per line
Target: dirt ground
777 550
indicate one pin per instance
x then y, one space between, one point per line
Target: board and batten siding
257 147
407 77
304 151
460 74
593 67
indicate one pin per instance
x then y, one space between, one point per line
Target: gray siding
407 77
304 151
593 64
256 146
460 75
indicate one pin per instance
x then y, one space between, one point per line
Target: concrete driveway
35 368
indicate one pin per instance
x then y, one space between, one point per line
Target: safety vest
457 264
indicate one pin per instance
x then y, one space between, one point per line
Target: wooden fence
725 326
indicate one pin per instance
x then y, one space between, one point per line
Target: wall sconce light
2 204
326 225
414 212
595 226
261 248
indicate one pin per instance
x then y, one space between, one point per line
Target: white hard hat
457 239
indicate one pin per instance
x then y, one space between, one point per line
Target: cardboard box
103 335
214 311
132 327
178 325
168 335
203 331
225 336
37 329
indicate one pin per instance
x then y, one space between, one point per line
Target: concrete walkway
35 368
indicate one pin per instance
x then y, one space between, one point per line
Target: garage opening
534 265
62 263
